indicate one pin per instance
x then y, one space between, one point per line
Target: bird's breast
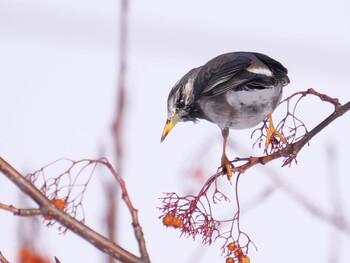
240 109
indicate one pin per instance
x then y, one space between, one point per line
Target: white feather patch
261 71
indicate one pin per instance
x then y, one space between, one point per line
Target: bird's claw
271 132
227 166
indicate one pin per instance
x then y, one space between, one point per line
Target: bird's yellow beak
170 123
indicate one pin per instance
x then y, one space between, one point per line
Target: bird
236 90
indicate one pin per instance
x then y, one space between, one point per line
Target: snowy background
58 77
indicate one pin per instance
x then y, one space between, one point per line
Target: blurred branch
3 259
121 90
48 209
309 205
111 211
334 218
335 240
118 121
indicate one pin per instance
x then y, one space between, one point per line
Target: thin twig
21 211
134 215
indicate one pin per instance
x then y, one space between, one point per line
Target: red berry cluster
237 254
173 221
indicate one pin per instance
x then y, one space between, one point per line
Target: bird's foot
226 166
271 133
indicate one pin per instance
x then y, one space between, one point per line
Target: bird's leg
225 162
271 132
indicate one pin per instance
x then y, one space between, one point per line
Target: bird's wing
229 72
222 74
277 68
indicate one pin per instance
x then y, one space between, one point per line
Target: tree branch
20 211
49 209
291 150
3 259
134 214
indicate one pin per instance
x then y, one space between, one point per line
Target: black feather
277 68
228 72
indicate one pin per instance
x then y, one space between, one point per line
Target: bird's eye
180 103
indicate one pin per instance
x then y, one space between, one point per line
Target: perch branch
291 150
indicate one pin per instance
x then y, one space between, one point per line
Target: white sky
58 75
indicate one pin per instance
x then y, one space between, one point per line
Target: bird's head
180 102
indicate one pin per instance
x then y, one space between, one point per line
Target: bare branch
49 209
134 214
290 151
121 89
20 211
118 120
